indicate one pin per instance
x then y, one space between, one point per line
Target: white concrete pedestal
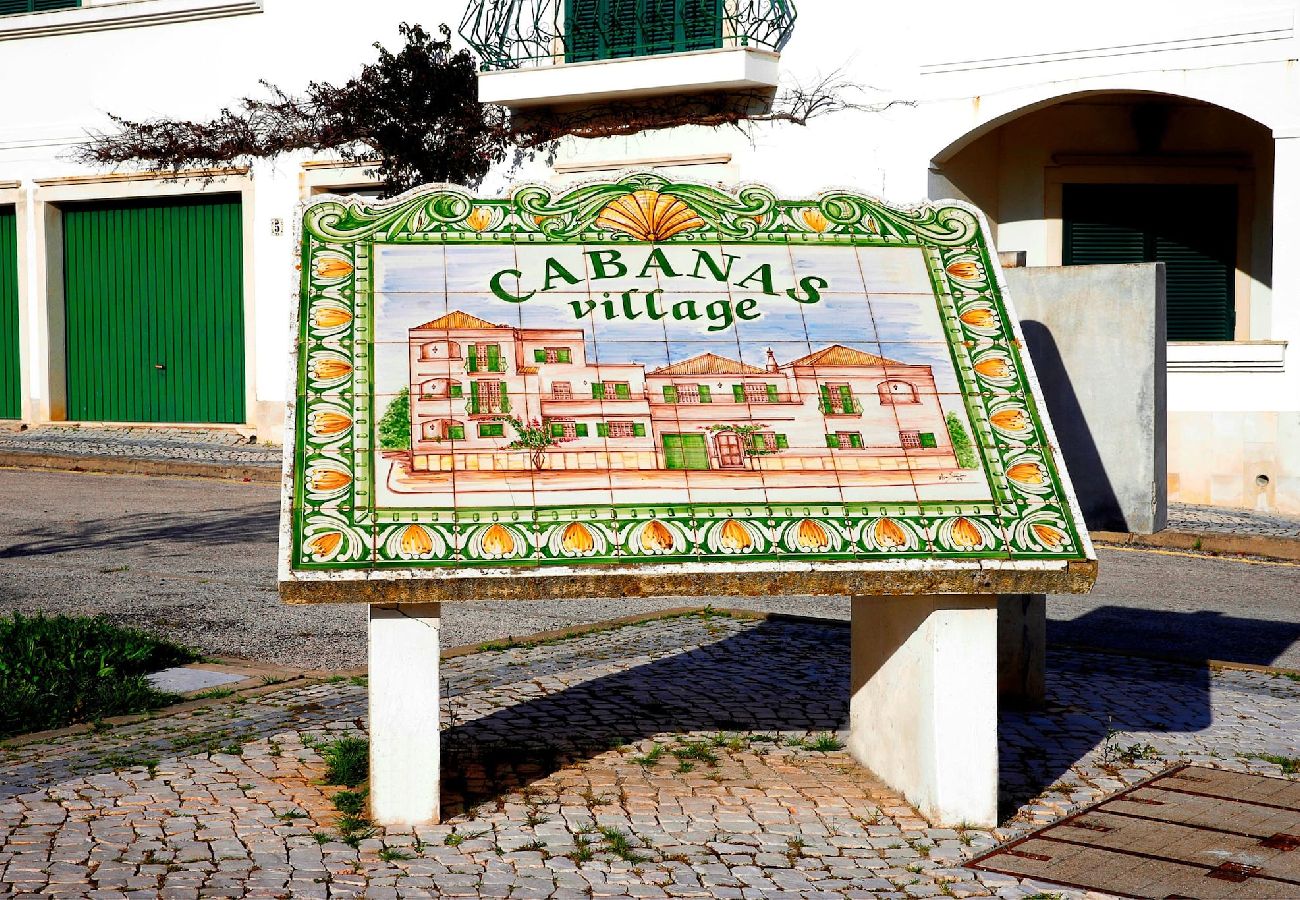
405 764
924 703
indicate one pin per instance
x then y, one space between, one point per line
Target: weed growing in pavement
350 803
591 798
1290 765
697 751
336 679
347 761
826 743
537 847
535 817
455 839
392 854
58 670
650 757
118 761
619 844
684 766
274 748
358 681
291 815
582 851
214 694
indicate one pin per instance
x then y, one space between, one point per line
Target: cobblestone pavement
153 443
692 757
1185 517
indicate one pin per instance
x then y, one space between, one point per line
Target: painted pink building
839 408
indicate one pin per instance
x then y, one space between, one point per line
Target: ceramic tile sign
643 386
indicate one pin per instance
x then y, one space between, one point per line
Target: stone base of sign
923 708
721 580
404 736
1022 649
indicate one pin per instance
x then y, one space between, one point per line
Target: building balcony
541 52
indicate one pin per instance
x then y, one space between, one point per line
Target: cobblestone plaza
553 786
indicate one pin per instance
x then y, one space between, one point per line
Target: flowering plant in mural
532 437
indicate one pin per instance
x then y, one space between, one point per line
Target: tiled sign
639 385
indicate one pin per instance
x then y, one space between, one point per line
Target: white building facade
1141 132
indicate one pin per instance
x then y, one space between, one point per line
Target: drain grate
1189 833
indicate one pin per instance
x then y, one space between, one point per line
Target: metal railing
512 34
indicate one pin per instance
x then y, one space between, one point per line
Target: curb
129 465
1209 542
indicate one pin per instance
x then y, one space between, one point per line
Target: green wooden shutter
670 393
782 442
456 432
659 27
756 442
505 398
701 24
471 359
697 451
855 440
582 30
738 391
832 441
457 390
605 29
14 7
1192 229
771 393
928 439
825 399
597 390
473 398
619 26
623 391
11 404
705 396
494 358
557 430
154 315
602 429
580 429
564 355
846 398
638 429
674 452
539 356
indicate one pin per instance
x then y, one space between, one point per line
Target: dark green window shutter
597 391
456 432
825 399
494 358
756 441
539 356
557 430
705 396
605 29
10 377
771 393
670 393
846 398
1192 229
738 391
14 7
602 429
928 439
505 399
471 358
638 429
580 429
623 391
491 429
456 390
473 398
564 355
832 441
782 442
855 440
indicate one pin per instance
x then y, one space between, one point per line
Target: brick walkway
546 746
1220 520
155 444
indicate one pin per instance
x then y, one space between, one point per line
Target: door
1192 229
154 325
731 452
685 451
10 368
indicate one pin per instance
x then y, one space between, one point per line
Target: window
611 29
769 441
455 432
561 390
553 355
611 390
760 393
893 393
910 439
837 400
15 7
564 430
624 430
1192 229
488 397
485 357
849 439
491 429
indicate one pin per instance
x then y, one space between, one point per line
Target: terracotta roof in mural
708 364
457 319
839 355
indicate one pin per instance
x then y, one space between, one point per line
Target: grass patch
347 761
695 751
619 844
1290 765
214 694
350 803
60 670
826 743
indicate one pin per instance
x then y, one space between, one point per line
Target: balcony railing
512 34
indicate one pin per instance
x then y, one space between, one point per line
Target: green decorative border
336 527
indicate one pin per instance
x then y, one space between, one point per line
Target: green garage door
155 311
10 383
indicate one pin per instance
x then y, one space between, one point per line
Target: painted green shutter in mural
771 393
597 390
738 392
539 356
580 430
670 393
782 442
557 430
154 321
471 359
494 358
825 398
1192 229
623 391
705 396
473 398
928 440
602 429
638 429
505 399
10 370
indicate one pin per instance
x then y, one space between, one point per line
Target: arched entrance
1123 177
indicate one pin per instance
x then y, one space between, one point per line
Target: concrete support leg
1022 648
923 710
404 740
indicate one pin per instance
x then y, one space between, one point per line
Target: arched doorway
1121 177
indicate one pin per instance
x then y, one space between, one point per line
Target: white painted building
1183 115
